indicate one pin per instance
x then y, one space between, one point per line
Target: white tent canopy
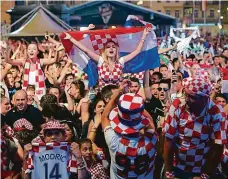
40 23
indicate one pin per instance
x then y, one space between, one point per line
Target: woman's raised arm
89 52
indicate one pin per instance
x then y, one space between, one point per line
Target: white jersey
49 162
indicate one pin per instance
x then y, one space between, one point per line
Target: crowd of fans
126 126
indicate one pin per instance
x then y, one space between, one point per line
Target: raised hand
67 37
91 26
146 31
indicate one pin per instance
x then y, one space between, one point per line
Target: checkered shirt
97 171
193 135
107 77
22 123
41 147
134 157
225 155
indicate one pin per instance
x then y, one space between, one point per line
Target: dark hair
221 95
81 86
192 56
55 87
158 74
73 127
94 104
58 65
70 74
153 83
50 110
82 141
166 81
15 67
216 56
133 79
48 98
163 65
106 92
26 136
174 61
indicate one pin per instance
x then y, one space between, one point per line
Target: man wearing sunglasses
195 132
164 92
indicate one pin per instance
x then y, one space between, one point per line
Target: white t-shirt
113 141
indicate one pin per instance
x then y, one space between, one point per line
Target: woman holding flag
110 66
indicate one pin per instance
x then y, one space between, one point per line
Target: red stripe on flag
225 73
78 35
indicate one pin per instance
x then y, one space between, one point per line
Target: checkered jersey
98 41
107 77
193 135
97 171
225 155
41 147
132 157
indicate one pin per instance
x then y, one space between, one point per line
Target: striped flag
127 40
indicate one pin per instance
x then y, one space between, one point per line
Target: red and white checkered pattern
41 147
75 71
22 123
97 171
193 135
40 79
98 41
199 86
135 157
53 125
107 77
128 117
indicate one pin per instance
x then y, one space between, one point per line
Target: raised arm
89 52
108 108
129 57
49 60
12 59
147 85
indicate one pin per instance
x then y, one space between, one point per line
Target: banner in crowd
50 160
127 40
225 80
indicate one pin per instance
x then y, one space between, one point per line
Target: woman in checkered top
109 64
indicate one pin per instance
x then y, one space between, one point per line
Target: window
159 1
203 14
177 1
212 13
168 12
177 13
159 10
196 13
168 1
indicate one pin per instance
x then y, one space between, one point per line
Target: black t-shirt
48 84
31 114
154 107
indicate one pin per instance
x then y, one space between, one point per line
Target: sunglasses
50 133
164 89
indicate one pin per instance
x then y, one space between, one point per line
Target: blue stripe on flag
91 71
145 60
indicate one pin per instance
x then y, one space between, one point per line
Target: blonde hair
103 53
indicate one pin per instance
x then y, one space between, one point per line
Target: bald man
23 110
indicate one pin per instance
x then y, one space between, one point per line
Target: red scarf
40 83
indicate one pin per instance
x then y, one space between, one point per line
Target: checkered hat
22 124
128 117
53 125
200 86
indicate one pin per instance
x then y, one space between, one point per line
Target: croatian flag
127 40
225 80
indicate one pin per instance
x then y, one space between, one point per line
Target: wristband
169 175
204 176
